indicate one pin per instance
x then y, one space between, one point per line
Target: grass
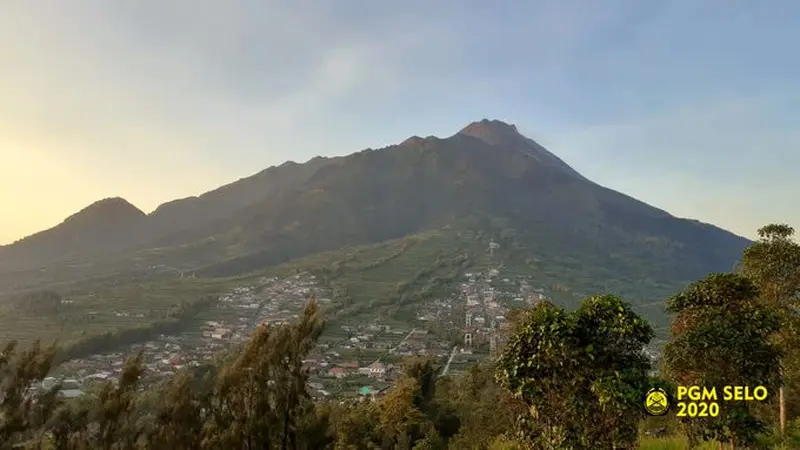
680 443
673 443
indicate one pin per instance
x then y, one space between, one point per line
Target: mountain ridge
486 173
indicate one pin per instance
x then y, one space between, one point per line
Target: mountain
106 225
486 178
487 172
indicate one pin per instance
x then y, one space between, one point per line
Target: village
350 361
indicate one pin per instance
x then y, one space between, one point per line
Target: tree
773 263
443 416
260 398
414 414
355 426
614 338
256 399
541 366
23 407
180 416
69 426
721 336
114 411
580 374
484 409
294 400
424 372
400 422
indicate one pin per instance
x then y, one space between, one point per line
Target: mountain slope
184 214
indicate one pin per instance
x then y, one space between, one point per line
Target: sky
690 106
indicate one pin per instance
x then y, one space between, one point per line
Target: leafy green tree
581 374
721 336
541 365
614 337
773 263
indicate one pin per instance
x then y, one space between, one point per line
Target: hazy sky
690 105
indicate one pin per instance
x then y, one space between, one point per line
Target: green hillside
391 228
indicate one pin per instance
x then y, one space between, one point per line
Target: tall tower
469 320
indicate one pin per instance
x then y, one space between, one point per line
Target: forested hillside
565 380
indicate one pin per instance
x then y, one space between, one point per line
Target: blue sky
691 106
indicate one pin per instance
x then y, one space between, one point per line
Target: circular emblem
656 402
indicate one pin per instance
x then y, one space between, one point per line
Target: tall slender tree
773 263
114 411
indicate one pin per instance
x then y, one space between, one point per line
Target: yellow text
697 393
745 393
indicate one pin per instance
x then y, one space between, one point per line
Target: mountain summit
108 212
505 136
493 132
105 225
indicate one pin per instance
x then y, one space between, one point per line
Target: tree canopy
721 337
